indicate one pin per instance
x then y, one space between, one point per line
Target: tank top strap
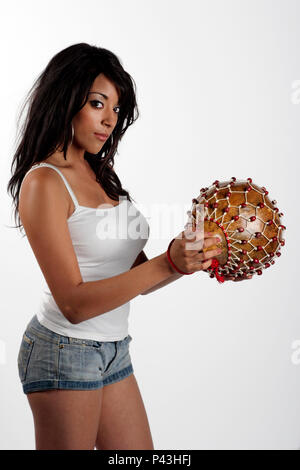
62 176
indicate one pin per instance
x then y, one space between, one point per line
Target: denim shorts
48 360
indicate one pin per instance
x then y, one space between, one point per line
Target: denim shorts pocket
24 356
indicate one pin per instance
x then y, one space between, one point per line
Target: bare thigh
66 419
124 423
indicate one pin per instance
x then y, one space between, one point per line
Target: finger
189 235
210 241
193 241
208 254
202 265
198 239
191 232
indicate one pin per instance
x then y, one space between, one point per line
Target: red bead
248 188
202 190
271 254
274 239
256 260
281 214
282 243
215 205
276 209
252 218
206 204
233 178
267 265
257 234
259 272
249 179
274 202
263 188
243 204
240 229
211 219
212 275
270 222
266 193
278 253
282 226
226 209
216 182
228 194
261 205
244 252
244 242
272 262
236 217
259 248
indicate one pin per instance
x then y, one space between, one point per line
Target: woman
74 362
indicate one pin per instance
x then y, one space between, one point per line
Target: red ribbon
215 263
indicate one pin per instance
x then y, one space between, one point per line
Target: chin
94 149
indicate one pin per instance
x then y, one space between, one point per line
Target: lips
101 136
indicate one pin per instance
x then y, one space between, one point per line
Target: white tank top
106 241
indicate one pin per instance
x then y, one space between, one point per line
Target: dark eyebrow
98 93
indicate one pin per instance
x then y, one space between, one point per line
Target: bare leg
124 423
66 419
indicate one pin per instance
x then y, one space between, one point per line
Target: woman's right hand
186 257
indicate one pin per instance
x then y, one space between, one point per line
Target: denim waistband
40 330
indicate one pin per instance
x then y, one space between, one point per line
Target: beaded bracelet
171 262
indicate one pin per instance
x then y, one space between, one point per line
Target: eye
94 104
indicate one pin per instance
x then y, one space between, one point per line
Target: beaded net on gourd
248 222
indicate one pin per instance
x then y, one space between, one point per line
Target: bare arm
43 209
173 278
142 258
90 299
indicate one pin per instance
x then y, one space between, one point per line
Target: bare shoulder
40 184
43 210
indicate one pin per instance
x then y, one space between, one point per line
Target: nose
109 118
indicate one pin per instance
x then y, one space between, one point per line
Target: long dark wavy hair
58 93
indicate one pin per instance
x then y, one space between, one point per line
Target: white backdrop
217 88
